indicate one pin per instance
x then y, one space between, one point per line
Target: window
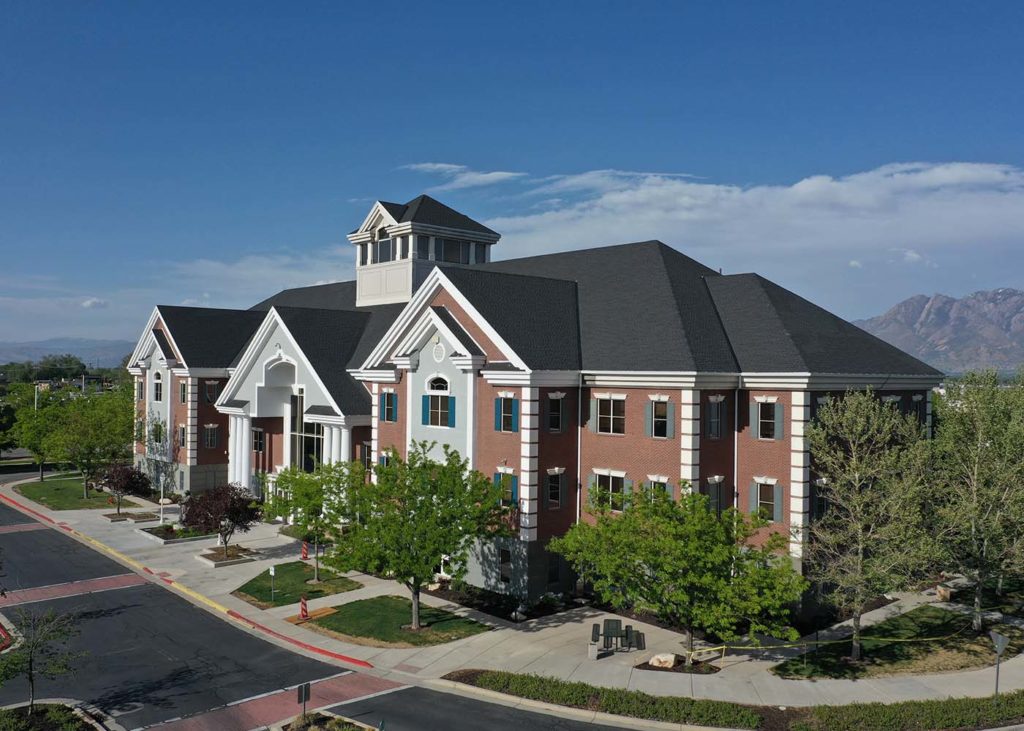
554 488
509 488
717 498
611 416
766 500
481 253
384 251
384 459
715 411
404 240
258 440
307 436
367 463
506 414
555 414
388 407
766 420
422 247
505 565
156 433
140 390
611 491
210 436
183 392
181 435
439 407
212 389
362 255
158 388
657 486
451 250
659 419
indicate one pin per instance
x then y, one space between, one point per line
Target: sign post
1000 641
271 584
303 697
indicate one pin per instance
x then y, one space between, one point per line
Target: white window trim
766 399
917 397
556 471
387 389
506 394
505 470
762 480
658 478
611 396
716 398
716 479
658 397
609 473
431 377
891 399
556 395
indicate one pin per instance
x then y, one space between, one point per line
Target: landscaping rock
663 660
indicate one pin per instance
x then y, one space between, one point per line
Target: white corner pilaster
286 434
245 437
344 445
800 473
374 421
689 432
529 421
328 448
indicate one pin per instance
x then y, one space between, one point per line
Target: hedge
954 713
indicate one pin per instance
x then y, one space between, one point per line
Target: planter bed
216 557
323 722
142 517
115 518
500 606
158 533
47 717
699 667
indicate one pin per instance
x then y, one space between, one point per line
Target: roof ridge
676 311
483 269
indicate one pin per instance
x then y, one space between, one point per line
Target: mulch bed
827 616
221 554
500 606
697 668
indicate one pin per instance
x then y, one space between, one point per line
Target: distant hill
98 353
981 330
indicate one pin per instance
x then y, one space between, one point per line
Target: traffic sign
1000 641
271 570
303 693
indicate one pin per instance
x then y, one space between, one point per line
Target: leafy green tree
687 564
43 649
35 418
7 440
871 462
312 500
980 479
92 431
415 511
59 366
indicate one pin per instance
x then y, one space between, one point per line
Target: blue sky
212 153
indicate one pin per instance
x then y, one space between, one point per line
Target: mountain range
96 353
982 330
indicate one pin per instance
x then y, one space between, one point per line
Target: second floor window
611 416
140 390
210 436
212 388
388 407
766 420
715 411
183 392
555 414
158 388
659 419
438 405
506 414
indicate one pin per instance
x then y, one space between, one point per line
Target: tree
224 509
687 564
7 439
416 511
122 480
42 651
871 462
35 417
980 479
92 431
311 499
59 366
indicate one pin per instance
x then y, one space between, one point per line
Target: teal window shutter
627 493
515 489
752 507
381 401
394 399
671 414
648 418
426 409
497 478
753 419
592 420
515 414
497 414
451 411
670 491
780 411
777 504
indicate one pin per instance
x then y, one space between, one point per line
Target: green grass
942 641
290 584
381 620
65 493
1010 601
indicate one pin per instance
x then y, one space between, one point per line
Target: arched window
438 406
438 384
158 388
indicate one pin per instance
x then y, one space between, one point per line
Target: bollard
303 612
305 551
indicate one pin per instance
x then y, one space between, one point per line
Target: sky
215 153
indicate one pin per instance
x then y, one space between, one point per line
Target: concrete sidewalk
554 646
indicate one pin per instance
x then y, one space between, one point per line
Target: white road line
371 695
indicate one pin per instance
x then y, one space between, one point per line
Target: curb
191 593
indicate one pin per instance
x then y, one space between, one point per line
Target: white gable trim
434 282
252 351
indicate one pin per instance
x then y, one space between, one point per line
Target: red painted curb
28 510
6 640
299 643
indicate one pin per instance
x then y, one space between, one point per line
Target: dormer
398 244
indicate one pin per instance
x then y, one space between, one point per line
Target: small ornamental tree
35 415
122 480
42 651
224 509
687 564
872 466
416 511
312 499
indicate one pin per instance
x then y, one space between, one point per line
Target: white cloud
855 264
94 303
911 257
458 177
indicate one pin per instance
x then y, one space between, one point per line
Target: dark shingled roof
642 306
328 339
470 347
208 337
164 344
535 315
773 330
430 212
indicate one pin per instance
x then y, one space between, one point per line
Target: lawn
941 641
1010 601
382 622
290 584
65 493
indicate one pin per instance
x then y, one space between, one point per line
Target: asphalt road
419 709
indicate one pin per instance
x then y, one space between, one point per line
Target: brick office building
569 377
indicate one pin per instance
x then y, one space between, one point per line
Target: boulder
663 660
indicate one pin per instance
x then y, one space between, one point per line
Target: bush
920 715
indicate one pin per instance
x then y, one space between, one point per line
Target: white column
245 437
345 445
328 450
286 430
689 431
800 474
529 417
233 450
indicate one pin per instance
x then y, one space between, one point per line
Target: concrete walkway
554 646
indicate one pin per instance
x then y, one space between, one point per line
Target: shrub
920 715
